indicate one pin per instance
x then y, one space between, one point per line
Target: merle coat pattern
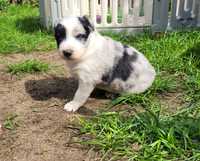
98 61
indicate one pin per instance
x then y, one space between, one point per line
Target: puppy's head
72 35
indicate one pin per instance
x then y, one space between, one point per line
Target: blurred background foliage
5 3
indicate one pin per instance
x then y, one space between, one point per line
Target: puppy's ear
86 23
56 26
60 29
59 33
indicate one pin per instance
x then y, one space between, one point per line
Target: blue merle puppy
99 61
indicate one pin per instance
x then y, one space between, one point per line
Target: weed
3 4
28 66
10 123
157 137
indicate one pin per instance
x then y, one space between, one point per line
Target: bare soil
42 130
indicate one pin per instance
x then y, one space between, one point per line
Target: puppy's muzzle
67 53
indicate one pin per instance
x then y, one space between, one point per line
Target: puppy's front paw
71 107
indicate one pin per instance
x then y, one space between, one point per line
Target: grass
153 133
148 135
22 32
130 134
10 123
28 66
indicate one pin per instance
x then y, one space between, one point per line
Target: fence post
125 11
184 14
136 7
93 11
45 12
84 7
160 15
104 11
148 12
59 9
55 11
197 11
114 12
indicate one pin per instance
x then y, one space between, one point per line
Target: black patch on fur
82 37
122 69
87 27
60 33
125 46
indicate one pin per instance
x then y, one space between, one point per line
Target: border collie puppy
99 61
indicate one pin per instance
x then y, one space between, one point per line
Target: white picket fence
159 15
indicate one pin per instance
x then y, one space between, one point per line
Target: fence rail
160 15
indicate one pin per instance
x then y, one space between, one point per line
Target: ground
42 131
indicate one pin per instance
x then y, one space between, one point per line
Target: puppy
98 61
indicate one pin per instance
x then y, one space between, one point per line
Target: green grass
28 66
152 133
10 123
145 136
22 32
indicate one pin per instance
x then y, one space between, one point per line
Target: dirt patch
37 100
172 102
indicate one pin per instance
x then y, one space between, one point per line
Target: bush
3 4
34 3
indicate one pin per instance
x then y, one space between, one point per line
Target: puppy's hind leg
83 92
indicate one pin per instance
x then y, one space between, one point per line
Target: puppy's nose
67 53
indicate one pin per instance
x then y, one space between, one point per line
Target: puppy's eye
80 36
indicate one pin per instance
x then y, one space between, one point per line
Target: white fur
97 56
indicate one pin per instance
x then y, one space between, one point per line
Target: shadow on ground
62 88
44 89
